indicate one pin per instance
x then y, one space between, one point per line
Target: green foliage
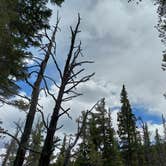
99 146
11 147
127 131
35 144
61 155
20 24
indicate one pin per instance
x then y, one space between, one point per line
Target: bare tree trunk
67 78
49 140
20 156
80 131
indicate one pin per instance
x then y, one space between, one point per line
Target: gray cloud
124 44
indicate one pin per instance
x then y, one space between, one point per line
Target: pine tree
127 131
82 157
164 127
20 24
99 146
112 152
35 144
140 150
159 155
61 154
107 144
147 145
10 151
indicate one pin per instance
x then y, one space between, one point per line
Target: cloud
152 129
120 37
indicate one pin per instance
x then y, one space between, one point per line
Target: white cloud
152 129
120 37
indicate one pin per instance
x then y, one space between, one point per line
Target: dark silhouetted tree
66 92
127 131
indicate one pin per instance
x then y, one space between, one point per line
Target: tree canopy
20 24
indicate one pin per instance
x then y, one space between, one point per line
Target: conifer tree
61 154
11 148
82 157
106 136
20 24
127 131
99 146
147 145
140 150
159 150
36 88
164 127
35 144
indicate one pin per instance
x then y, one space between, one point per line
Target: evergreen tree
147 145
61 154
35 144
20 156
159 150
20 24
140 150
127 131
82 157
164 127
107 143
11 148
99 146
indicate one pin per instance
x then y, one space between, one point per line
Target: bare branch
19 128
65 112
71 97
57 66
84 79
51 79
58 128
48 91
43 118
26 80
33 66
12 136
76 74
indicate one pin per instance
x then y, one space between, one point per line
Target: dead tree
20 156
11 145
66 92
81 125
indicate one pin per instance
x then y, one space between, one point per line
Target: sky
123 42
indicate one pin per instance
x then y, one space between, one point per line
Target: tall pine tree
20 23
127 131
35 144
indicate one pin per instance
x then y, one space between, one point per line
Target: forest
44 77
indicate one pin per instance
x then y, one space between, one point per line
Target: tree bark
47 149
49 140
20 156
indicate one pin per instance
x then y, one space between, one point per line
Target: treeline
96 142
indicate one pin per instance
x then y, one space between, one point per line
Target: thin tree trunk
20 156
67 157
8 151
49 140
